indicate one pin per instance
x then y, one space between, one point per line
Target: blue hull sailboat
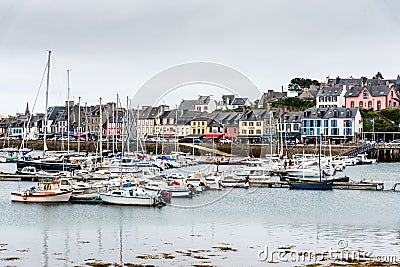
311 185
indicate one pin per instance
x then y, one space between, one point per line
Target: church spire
27 112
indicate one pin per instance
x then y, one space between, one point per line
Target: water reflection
45 252
273 217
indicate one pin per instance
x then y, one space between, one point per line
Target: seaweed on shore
138 265
148 257
10 259
225 248
167 256
99 264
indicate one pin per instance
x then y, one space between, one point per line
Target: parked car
225 141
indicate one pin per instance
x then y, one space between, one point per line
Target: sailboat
50 164
312 184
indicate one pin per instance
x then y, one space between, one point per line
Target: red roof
212 135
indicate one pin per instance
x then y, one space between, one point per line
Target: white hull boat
130 197
48 192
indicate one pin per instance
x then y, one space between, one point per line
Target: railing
358 150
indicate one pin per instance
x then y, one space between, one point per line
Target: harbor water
231 227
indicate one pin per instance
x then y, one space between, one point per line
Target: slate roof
293 116
279 95
239 101
254 115
380 90
330 91
187 105
327 113
149 113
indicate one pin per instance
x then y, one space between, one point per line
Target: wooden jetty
362 185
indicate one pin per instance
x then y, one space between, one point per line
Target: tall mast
68 108
79 125
319 157
127 125
86 125
113 129
176 127
101 133
137 133
47 103
116 125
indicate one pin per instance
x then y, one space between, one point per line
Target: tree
298 84
378 75
293 103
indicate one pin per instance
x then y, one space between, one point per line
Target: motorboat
362 159
155 188
256 171
130 196
213 180
235 181
47 191
125 165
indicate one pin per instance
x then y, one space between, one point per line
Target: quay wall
381 152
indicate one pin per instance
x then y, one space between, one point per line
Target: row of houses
375 94
252 125
82 120
249 125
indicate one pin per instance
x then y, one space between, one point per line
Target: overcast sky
115 46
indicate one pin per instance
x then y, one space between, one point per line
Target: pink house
372 97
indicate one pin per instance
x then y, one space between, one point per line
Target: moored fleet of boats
142 180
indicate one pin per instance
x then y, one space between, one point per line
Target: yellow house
199 125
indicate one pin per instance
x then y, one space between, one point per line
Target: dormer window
365 94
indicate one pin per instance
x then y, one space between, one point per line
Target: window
333 123
243 131
369 104
296 127
234 130
258 123
352 104
378 105
244 123
202 123
251 131
365 94
360 105
251 123
391 93
258 131
321 99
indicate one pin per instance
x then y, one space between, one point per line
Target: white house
336 124
328 97
202 104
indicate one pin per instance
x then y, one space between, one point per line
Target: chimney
270 94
